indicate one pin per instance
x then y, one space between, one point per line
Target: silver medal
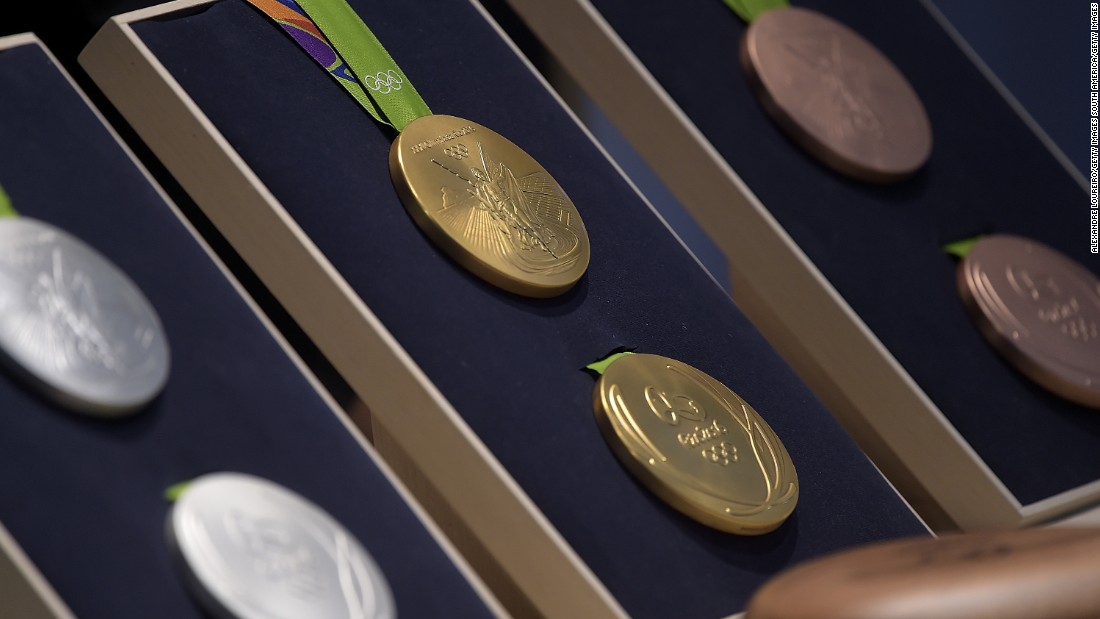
74 324
255 550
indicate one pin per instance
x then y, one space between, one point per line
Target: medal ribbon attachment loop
962 247
6 209
333 34
749 10
598 367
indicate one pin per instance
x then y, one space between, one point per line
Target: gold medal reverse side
489 205
696 444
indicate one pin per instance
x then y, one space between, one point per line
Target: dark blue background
879 246
84 497
512 366
1040 50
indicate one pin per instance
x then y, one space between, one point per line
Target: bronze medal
1040 310
696 444
489 205
836 95
1022 574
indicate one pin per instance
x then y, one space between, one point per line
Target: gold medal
489 205
480 198
696 444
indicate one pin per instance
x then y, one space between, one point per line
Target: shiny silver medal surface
74 325
255 550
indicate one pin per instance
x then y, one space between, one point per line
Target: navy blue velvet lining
879 246
84 497
510 365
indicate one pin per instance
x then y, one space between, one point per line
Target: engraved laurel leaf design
348 568
988 297
629 425
765 451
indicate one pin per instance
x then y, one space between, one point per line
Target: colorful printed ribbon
332 34
749 10
6 209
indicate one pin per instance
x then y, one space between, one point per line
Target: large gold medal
480 198
489 205
696 444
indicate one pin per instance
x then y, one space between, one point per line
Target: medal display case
83 497
477 396
23 588
849 279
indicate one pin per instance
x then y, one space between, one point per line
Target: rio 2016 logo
672 408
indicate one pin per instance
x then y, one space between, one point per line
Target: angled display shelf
477 396
849 280
23 589
84 498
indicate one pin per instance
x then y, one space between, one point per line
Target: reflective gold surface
696 444
489 205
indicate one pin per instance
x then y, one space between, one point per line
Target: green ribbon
599 367
175 491
395 100
360 95
749 10
961 248
6 209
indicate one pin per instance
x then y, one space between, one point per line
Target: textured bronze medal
1021 574
834 94
489 205
696 444
1040 310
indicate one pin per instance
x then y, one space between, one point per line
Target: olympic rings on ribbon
384 82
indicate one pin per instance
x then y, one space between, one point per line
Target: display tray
849 279
23 589
478 394
85 497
